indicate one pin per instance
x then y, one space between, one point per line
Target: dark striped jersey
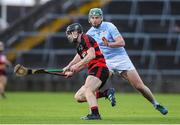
86 43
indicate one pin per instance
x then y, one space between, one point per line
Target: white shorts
120 63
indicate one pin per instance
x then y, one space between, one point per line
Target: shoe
111 96
91 117
161 109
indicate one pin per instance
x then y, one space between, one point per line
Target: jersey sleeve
114 31
88 41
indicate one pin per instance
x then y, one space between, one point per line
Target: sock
100 94
155 103
146 92
94 110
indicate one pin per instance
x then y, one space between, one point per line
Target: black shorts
100 72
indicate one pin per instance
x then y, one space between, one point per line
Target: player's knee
79 98
76 97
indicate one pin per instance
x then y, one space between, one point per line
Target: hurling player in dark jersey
88 55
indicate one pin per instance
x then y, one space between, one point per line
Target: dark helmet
73 27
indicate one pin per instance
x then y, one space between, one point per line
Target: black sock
94 110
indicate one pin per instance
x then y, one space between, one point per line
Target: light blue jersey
110 32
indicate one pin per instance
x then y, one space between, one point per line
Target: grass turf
61 108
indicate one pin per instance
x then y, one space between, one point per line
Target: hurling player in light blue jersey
112 45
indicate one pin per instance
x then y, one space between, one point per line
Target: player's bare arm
118 42
80 65
75 60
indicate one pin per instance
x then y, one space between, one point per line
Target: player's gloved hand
105 41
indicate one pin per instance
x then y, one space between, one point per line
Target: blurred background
33 32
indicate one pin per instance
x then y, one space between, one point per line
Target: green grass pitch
61 108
